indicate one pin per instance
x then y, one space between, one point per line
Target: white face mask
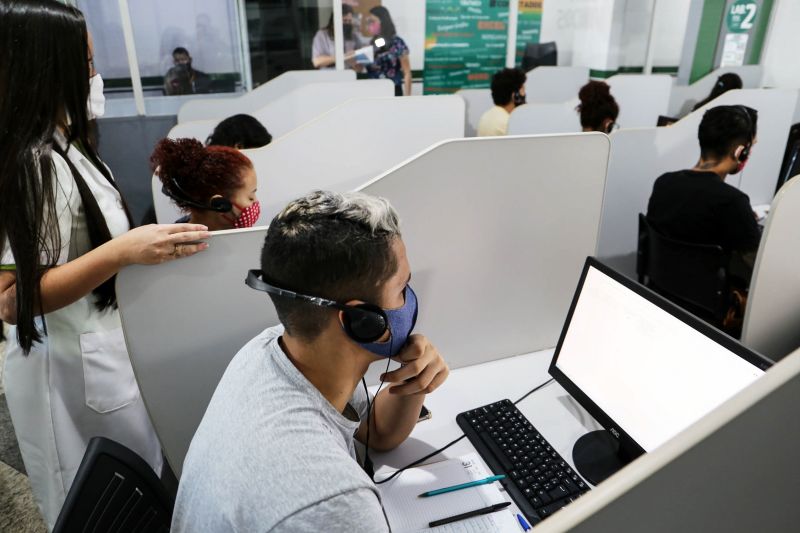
97 101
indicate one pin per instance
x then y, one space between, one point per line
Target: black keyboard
538 479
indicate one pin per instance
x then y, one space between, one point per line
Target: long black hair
44 87
346 10
726 82
388 31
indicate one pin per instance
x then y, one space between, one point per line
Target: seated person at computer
697 206
241 132
508 93
598 108
182 78
275 450
727 82
215 184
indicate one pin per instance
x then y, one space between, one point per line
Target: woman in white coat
64 234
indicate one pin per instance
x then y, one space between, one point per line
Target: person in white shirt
508 93
323 48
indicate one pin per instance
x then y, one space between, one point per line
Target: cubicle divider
343 148
641 98
295 108
639 156
545 85
536 119
205 108
703 479
495 257
684 97
772 319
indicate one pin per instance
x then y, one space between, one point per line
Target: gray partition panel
736 471
497 231
183 322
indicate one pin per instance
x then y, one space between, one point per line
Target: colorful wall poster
529 25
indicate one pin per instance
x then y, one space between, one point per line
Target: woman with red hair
215 185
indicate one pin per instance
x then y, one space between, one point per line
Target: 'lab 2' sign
741 16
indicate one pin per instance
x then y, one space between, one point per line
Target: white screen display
651 373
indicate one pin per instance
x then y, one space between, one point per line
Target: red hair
200 172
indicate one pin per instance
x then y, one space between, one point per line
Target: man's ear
738 152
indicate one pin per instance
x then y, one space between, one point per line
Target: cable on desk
451 443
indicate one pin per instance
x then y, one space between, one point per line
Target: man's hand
423 368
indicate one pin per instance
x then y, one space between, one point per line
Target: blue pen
525 526
444 490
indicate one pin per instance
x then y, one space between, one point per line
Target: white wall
669 31
783 42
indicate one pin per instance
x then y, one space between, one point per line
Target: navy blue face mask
401 323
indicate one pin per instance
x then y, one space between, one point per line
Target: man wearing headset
697 206
275 450
508 93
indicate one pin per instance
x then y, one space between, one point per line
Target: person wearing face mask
282 423
598 109
508 93
323 49
214 185
182 78
391 52
697 206
65 232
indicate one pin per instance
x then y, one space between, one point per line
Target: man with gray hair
275 450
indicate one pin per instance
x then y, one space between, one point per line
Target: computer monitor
642 367
539 55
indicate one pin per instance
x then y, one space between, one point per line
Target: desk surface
556 415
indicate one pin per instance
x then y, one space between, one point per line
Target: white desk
553 412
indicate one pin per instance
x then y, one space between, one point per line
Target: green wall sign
465 43
529 25
741 16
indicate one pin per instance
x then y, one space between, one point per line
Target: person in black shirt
697 205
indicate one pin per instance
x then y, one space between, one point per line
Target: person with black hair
508 93
323 48
64 235
182 78
241 131
697 206
276 449
598 108
391 52
726 82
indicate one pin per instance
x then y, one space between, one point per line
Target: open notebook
408 513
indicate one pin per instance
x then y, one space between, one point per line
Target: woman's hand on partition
158 243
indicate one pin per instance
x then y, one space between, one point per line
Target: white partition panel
477 102
684 97
641 98
715 476
639 156
294 108
497 231
343 148
201 108
534 119
552 85
183 321
772 320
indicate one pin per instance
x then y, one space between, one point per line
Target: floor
18 512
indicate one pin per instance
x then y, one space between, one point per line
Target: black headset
745 155
220 205
363 322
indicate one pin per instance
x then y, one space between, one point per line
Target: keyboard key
496 451
558 493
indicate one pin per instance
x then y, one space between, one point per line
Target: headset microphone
220 205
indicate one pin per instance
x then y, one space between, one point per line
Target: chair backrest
539 54
695 276
115 490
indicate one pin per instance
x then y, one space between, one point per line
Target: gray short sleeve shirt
272 454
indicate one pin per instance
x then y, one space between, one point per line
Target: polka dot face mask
247 216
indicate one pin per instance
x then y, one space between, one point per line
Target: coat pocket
107 372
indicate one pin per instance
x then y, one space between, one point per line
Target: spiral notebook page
408 513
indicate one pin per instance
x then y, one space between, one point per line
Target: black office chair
693 276
538 55
115 490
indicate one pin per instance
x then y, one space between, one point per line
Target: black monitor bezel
628 446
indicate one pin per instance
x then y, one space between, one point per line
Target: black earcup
221 205
365 322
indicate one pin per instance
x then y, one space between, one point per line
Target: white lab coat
78 382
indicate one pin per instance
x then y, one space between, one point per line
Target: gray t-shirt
272 454
323 45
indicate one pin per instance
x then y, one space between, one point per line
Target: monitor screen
650 372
